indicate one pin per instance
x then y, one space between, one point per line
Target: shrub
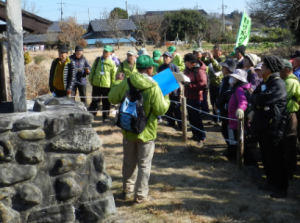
27 58
37 80
38 59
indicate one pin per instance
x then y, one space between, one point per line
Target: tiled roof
54 28
110 40
203 12
39 38
105 25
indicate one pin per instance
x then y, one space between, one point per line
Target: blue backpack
131 115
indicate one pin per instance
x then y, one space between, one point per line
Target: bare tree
30 6
71 32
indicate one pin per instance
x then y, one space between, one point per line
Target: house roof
101 25
203 12
54 28
110 40
40 38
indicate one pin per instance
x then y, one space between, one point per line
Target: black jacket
80 63
69 75
269 107
224 96
173 68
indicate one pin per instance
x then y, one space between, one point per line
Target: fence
184 105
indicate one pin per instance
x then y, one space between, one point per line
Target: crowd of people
265 94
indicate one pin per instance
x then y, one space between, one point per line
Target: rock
82 118
5 125
30 194
99 163
103 186
56 126
6 151
98 210
30 154
28 124
8 215
83 140
70 163
32 135
39 106
11 173
45 97
67 188
52 101
63 101
54 214
5 196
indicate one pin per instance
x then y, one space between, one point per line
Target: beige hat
199 50
253 58
240 75
132 52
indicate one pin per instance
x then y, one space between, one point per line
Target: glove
239 113
250 115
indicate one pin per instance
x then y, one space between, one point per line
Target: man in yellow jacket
102 77
128 66
139 148
177 58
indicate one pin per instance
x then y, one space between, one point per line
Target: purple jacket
253 78
237 100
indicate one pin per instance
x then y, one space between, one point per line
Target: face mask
232 81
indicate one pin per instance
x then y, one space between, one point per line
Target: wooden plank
15 55
3 89
184 119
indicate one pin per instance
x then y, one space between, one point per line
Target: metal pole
240 149
184 119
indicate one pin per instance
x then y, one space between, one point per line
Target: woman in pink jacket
238 104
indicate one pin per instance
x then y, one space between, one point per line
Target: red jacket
197 86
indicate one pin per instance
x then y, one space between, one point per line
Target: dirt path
190 184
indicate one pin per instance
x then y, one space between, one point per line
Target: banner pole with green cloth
244 32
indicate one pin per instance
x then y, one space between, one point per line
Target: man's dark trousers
272 151
195 118
100 92
82 92
174 112
214 94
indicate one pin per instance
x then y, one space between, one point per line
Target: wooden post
3 89
15 54
184 119
240 148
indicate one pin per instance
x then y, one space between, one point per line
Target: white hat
132 52
143 52
253 58
258 67
240 75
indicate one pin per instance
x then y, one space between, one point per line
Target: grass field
190 184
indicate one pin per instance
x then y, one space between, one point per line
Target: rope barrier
218 116
202 131
228 140
87 97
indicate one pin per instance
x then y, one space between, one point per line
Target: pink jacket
237 100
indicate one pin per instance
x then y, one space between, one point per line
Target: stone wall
51 166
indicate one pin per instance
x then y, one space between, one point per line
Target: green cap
287 64
156 55
145 62
108 48
172 49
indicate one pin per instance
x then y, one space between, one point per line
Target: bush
38 59
37 80
27 58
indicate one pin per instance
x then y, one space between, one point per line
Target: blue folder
166 81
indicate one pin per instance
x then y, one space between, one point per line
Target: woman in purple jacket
238 104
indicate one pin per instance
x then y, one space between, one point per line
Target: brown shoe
144 200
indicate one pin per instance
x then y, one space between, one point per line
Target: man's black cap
297 54
78 48
63 49
230 64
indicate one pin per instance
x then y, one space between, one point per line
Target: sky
51 10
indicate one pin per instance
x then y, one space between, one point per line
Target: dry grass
190 184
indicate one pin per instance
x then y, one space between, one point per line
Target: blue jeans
195 118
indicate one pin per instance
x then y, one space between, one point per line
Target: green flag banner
244 32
